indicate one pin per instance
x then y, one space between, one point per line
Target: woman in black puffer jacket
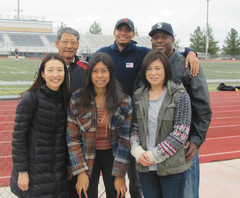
39 149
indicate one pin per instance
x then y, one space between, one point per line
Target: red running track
223 136
222 142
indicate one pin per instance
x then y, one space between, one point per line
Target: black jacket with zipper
39 144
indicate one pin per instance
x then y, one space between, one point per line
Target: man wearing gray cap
162 38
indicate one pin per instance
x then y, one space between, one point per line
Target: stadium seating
26 40
1 38
45 42
51 38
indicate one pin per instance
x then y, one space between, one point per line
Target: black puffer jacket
39 144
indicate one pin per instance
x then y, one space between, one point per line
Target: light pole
18 10
206 53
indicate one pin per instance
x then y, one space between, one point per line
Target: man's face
123 35
67 46
164 42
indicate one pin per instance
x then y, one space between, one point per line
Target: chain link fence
7 114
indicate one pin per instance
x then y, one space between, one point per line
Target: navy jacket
127 63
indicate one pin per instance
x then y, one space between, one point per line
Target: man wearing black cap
162 38
127 58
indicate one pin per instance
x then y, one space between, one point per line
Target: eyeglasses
72 43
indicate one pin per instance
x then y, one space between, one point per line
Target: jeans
134 185
155 186
191 189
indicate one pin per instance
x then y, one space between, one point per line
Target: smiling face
155 73
67 47
100 76
163 42
123 35
53 74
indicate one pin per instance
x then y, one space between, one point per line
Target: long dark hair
114 93
148 59
35 87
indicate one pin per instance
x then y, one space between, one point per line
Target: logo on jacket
129 65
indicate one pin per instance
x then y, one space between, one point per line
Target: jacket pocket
178 159
169 113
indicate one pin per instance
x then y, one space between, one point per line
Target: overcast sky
184 15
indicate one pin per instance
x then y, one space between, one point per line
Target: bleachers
1 38
33 40
51 38
45 42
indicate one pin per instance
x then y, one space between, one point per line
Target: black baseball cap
125 21
161 26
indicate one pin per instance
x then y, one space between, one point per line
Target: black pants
72 190
134 184
103 162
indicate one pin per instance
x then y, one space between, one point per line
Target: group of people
128 110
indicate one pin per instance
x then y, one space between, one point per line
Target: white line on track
223 126
3 157
4 177
222 153
219 118
5 142
236 136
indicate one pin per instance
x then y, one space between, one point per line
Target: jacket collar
131 46
171 89
50 93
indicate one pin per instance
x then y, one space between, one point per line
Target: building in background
34 38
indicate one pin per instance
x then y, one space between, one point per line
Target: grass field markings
22 72
227 72
9 67
225 137
222 153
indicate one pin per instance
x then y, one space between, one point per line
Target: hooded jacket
127 63
172 130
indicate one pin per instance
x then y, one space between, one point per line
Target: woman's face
155 73
53 74
100 75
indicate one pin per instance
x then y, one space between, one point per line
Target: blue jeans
191 189
155 186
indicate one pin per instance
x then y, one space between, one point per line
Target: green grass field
24 70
